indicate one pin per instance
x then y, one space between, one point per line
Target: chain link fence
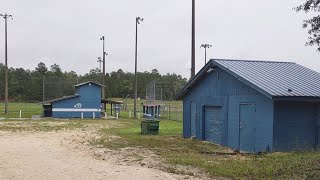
21 110
170 110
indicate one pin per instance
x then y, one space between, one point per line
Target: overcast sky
67 32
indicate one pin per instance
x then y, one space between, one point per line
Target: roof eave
81 84
59 99
194 80
297 98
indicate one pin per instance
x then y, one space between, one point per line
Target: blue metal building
253 106
86 103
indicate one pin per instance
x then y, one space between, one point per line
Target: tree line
44 83
312 8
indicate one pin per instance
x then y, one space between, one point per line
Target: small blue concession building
253 106
86 103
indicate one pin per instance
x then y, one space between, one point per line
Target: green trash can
150 127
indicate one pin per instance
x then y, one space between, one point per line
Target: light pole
138 21
100 69
100 61
205 46
193 46
6 16
104 68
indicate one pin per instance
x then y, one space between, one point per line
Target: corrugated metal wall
90 98
263 121
89 93
295 125
219 88
193 116
318 125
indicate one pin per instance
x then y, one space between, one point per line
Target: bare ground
67 155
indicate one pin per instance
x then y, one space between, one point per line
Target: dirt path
43 156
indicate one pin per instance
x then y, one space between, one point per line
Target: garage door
214 124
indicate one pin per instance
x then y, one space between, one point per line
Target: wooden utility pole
6 16
138 21
193 46
103 96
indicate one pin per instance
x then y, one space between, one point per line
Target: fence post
176 113
105 115
117 116
93 115
82 115
20 115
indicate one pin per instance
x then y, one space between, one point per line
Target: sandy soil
61 155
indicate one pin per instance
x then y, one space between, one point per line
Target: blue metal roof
60 99
273 79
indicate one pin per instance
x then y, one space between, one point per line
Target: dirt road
44 156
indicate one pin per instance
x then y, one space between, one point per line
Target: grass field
27 110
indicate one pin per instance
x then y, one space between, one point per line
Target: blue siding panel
193 116
90 93
89 98
247 124
263 122
279 124
186 120
219 88
318 125
295 125
318 115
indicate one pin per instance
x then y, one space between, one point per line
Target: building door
47 111
193 118
247 127
214 124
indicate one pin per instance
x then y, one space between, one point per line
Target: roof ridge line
263 61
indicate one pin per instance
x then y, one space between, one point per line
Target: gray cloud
67 33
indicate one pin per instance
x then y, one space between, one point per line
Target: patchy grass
49 125
210 158
175 150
